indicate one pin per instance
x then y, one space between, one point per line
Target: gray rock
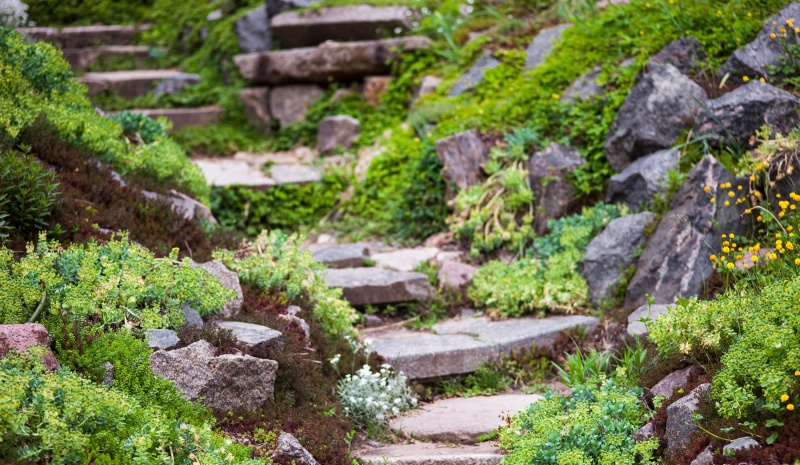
680 424
421 453
756 57
252 31
376 286
294 173
675 381
612 252
464 156
183 117
182 204
163 339
740 444
290 448
256 106
227 383
215 15
339 131
341 24
645 432
542 45
639 183
704 458
256 336
736 116
372 321
193 318
228 279
685 54
292 318
276 6
475 75
341 256
175 84
289 104
662 104
83 36
548 171
584 87
636 327
675 261
108 380
375 87
82 58
428 85
405 259
455 275
339 61
460 346
127 84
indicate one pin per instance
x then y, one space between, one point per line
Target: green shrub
79 12
28 190
137 124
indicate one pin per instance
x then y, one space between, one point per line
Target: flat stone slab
128 84
183 117
342 24
460 346
245 169
342 256
377 286
405 259
84 36
294 174
163 339
252 335
82 58
339 61
461 419
432 454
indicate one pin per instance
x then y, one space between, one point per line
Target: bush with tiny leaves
27 192
371 398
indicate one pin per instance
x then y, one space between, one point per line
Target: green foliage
137 124
86 13
576 230
595 425
275 263
27 192
580 368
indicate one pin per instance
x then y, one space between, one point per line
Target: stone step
128 84
293 29
461 345
85 36
340 61
183 117
342 255
432 454
82 58
461 420
244 169
377 286
405 259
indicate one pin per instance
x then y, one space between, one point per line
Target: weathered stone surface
227 383
675 261
460 420
740 444
228 279
421 453
337 131
638 329
542 45
704 458
680 424
182 204
163 339
584 87
736 116
685 54
640 182
290 448
455 275
548 172
611 253
372 321
289 104
645 432
375 286
193 318
175 84
108 379
405 259
341 256
183 117
256 106
340 61
294 174
82 58
375 87
461 346
675 380
253 31
756 57
22 337
127 84
662 104
245 169
428 85
84 36
342 24
475 75
258 336
463 155
291 317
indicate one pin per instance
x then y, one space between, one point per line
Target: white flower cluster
370 399
13 13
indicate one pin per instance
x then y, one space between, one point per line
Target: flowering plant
370 398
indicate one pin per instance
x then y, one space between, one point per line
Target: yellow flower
730 265
790 407
797 261
752 178
712 200
731 194
726 249
759 218
738 257
731 236
727 204
754 258
723 258
707 189
789 228
797 373
772 36
714 258
789 246
784 397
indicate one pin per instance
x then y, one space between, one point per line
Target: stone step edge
432 453
208 115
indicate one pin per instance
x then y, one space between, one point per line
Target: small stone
549 170
639 183
645 432
428 85
251 335
372 321
635 326
289 104
704 458
163 339
292 318
341 256
229 280
256 106
584 87
175 84
685 54
455 275
108 380
405 259
21 337
542 45
740 444
675 381
475 75
339 131
376 286
375 87
291 449
193 318
680 422
252 31
464 156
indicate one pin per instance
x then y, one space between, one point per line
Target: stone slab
294 174
542 45
432 454
85 36
376 286
82 58
183 117
163 339
460 346
127 84
341 256
461 419
405 259
252 335
244 169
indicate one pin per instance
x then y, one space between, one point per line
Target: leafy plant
580 368
137 124
28 190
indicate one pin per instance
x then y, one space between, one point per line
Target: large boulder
22 337
548 171
256 106
736 116
542 45
675 261
252 31
340 131
680 419
464 156
660 106
756 57
378 286
475 75
289 104
255 336
226 383
611 253
685 54
228 279
639 183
